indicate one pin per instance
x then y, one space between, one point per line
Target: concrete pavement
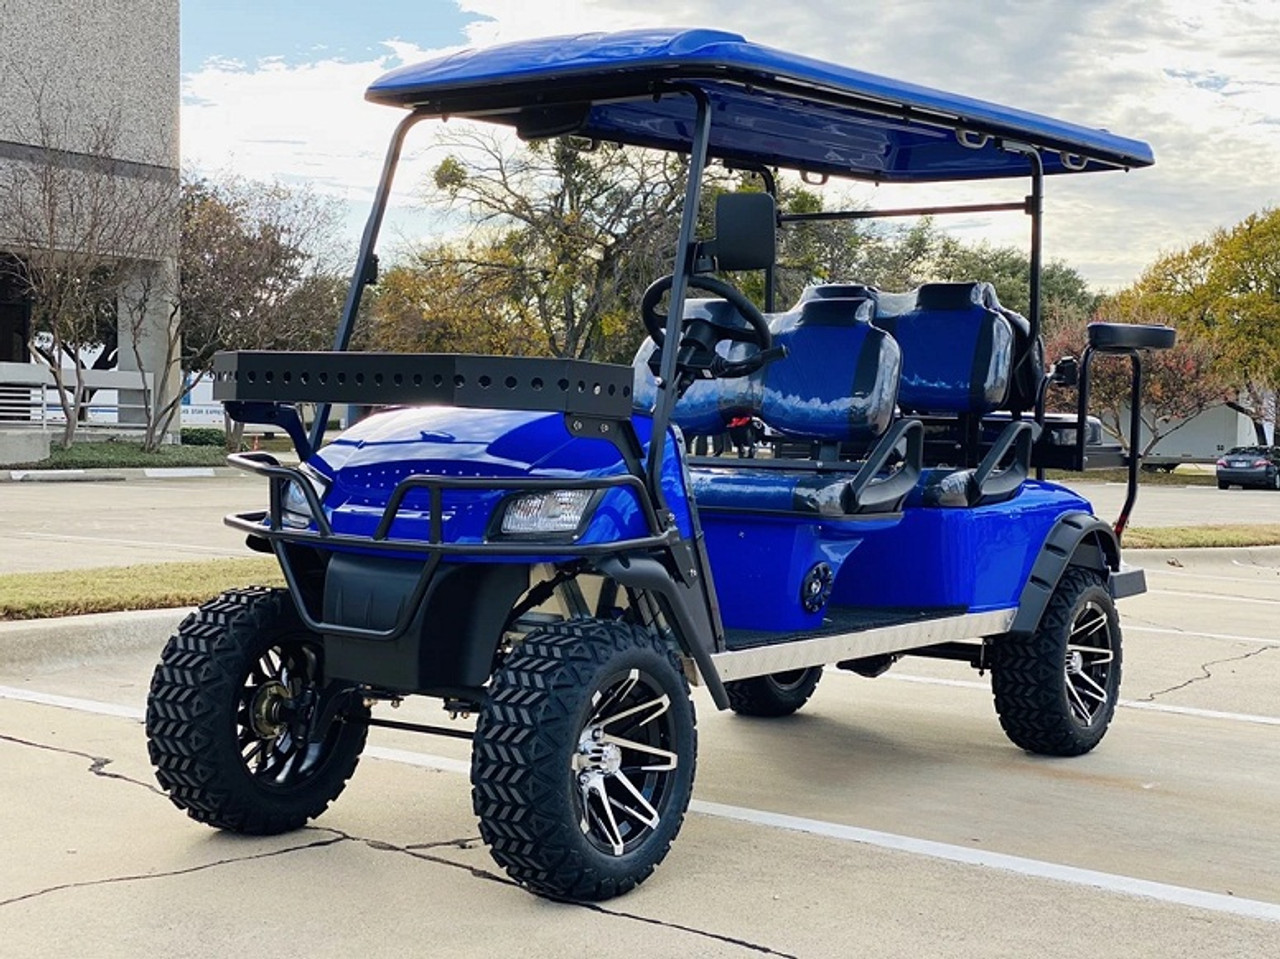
888 817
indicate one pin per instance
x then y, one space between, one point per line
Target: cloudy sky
275 90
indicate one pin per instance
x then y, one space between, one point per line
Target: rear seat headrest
955 296
836 291
831 311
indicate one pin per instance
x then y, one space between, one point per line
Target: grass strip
165 585
117 454
115 588
1179 477
1196 537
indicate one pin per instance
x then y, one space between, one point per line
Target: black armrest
867 492
988 481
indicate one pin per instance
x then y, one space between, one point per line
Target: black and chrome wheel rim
625 763
277 702
1090 659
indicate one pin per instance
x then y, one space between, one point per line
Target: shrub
203 436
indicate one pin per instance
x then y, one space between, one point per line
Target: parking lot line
143 543
1195 634
962 855
1124 703
1109 882
1226 597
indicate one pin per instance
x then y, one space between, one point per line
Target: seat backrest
707 405
957 352
839 381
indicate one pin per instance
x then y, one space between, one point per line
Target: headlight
551 511
295 510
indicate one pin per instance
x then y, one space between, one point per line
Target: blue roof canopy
768 107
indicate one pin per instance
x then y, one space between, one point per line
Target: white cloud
1199 79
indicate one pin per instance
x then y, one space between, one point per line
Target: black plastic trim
1125 337
694 630
1062 548
1127 582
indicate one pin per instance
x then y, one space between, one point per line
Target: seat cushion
818 494
838 382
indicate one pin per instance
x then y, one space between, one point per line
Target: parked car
1246 466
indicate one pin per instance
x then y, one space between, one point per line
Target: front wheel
232 713
1056 690
583 759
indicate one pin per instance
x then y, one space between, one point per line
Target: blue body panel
778 108
368 461
761 541
759 561
977 558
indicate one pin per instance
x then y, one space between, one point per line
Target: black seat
838 384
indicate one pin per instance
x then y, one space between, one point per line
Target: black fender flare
1076 539
688 615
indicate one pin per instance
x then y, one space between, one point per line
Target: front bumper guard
269 525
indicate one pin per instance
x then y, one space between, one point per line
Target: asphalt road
888 818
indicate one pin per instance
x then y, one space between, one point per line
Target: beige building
88 86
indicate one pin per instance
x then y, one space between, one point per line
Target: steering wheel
700 334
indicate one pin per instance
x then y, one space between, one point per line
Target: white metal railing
29 396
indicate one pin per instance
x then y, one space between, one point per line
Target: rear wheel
1222 485
778 694
1056 690
583 760
231 714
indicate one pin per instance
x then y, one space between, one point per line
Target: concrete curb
70 639
117 475
1264 557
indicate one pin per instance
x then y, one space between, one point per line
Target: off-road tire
531 754
201 734
778 694
1031 676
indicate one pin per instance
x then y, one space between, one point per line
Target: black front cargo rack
411 379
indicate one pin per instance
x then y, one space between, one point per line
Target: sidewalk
115 475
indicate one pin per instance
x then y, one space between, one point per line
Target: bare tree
570 236
81 224
260 269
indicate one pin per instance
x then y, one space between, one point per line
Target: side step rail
873 641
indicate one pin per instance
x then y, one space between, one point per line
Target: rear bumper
1127 581
1253 476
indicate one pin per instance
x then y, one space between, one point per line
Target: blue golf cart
527 540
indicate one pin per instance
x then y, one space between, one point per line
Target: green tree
1178 384
568 238
1225 292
